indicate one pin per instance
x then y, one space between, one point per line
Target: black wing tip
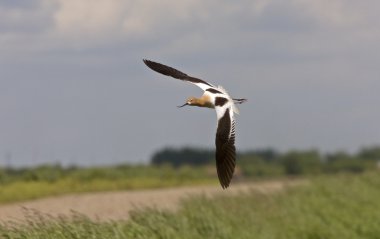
225 180
225 173
154 66
148 62
225 186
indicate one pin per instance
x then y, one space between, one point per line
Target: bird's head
190 101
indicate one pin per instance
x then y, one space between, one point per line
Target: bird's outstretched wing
225 147
170 71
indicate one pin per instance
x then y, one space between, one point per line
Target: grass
42 182
339 206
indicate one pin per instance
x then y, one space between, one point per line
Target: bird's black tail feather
239 101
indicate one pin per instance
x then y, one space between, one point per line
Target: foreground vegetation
342 206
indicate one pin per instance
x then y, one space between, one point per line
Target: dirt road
117 205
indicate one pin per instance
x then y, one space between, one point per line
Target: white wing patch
221 110
201 85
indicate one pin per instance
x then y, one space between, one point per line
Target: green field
42 181
339 206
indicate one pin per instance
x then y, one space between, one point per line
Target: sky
74 89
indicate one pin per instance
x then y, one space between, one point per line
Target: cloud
115 18
25 16
86 17
269 30
334 13
92 23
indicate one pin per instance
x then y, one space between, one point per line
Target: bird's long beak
183 105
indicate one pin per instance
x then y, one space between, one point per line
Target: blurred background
74 89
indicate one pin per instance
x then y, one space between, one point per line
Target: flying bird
215 97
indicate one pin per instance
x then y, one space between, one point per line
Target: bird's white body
230 103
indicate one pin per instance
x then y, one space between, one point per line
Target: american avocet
215 97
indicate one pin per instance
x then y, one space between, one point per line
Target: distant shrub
255 166
370 153
184 156
297 163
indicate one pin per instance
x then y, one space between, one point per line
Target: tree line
269 162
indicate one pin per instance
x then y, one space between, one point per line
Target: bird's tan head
190 101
